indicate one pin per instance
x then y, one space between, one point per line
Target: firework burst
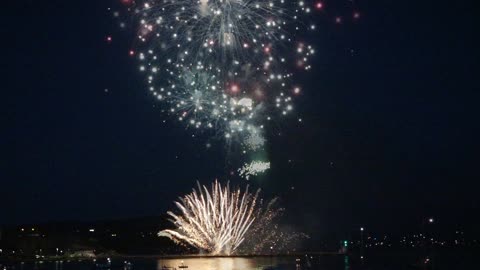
219 220
223 65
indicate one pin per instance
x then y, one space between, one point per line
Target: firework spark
218 221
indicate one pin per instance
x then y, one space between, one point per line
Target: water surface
310 262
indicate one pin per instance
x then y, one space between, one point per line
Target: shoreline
146 256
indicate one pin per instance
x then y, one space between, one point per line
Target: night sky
390 130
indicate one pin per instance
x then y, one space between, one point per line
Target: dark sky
390 131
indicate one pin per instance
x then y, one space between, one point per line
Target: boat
183 266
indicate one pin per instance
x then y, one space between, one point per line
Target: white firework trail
218 221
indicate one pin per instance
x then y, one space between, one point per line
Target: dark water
325 262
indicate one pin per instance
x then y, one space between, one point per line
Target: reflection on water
218 263
347 262
58 265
